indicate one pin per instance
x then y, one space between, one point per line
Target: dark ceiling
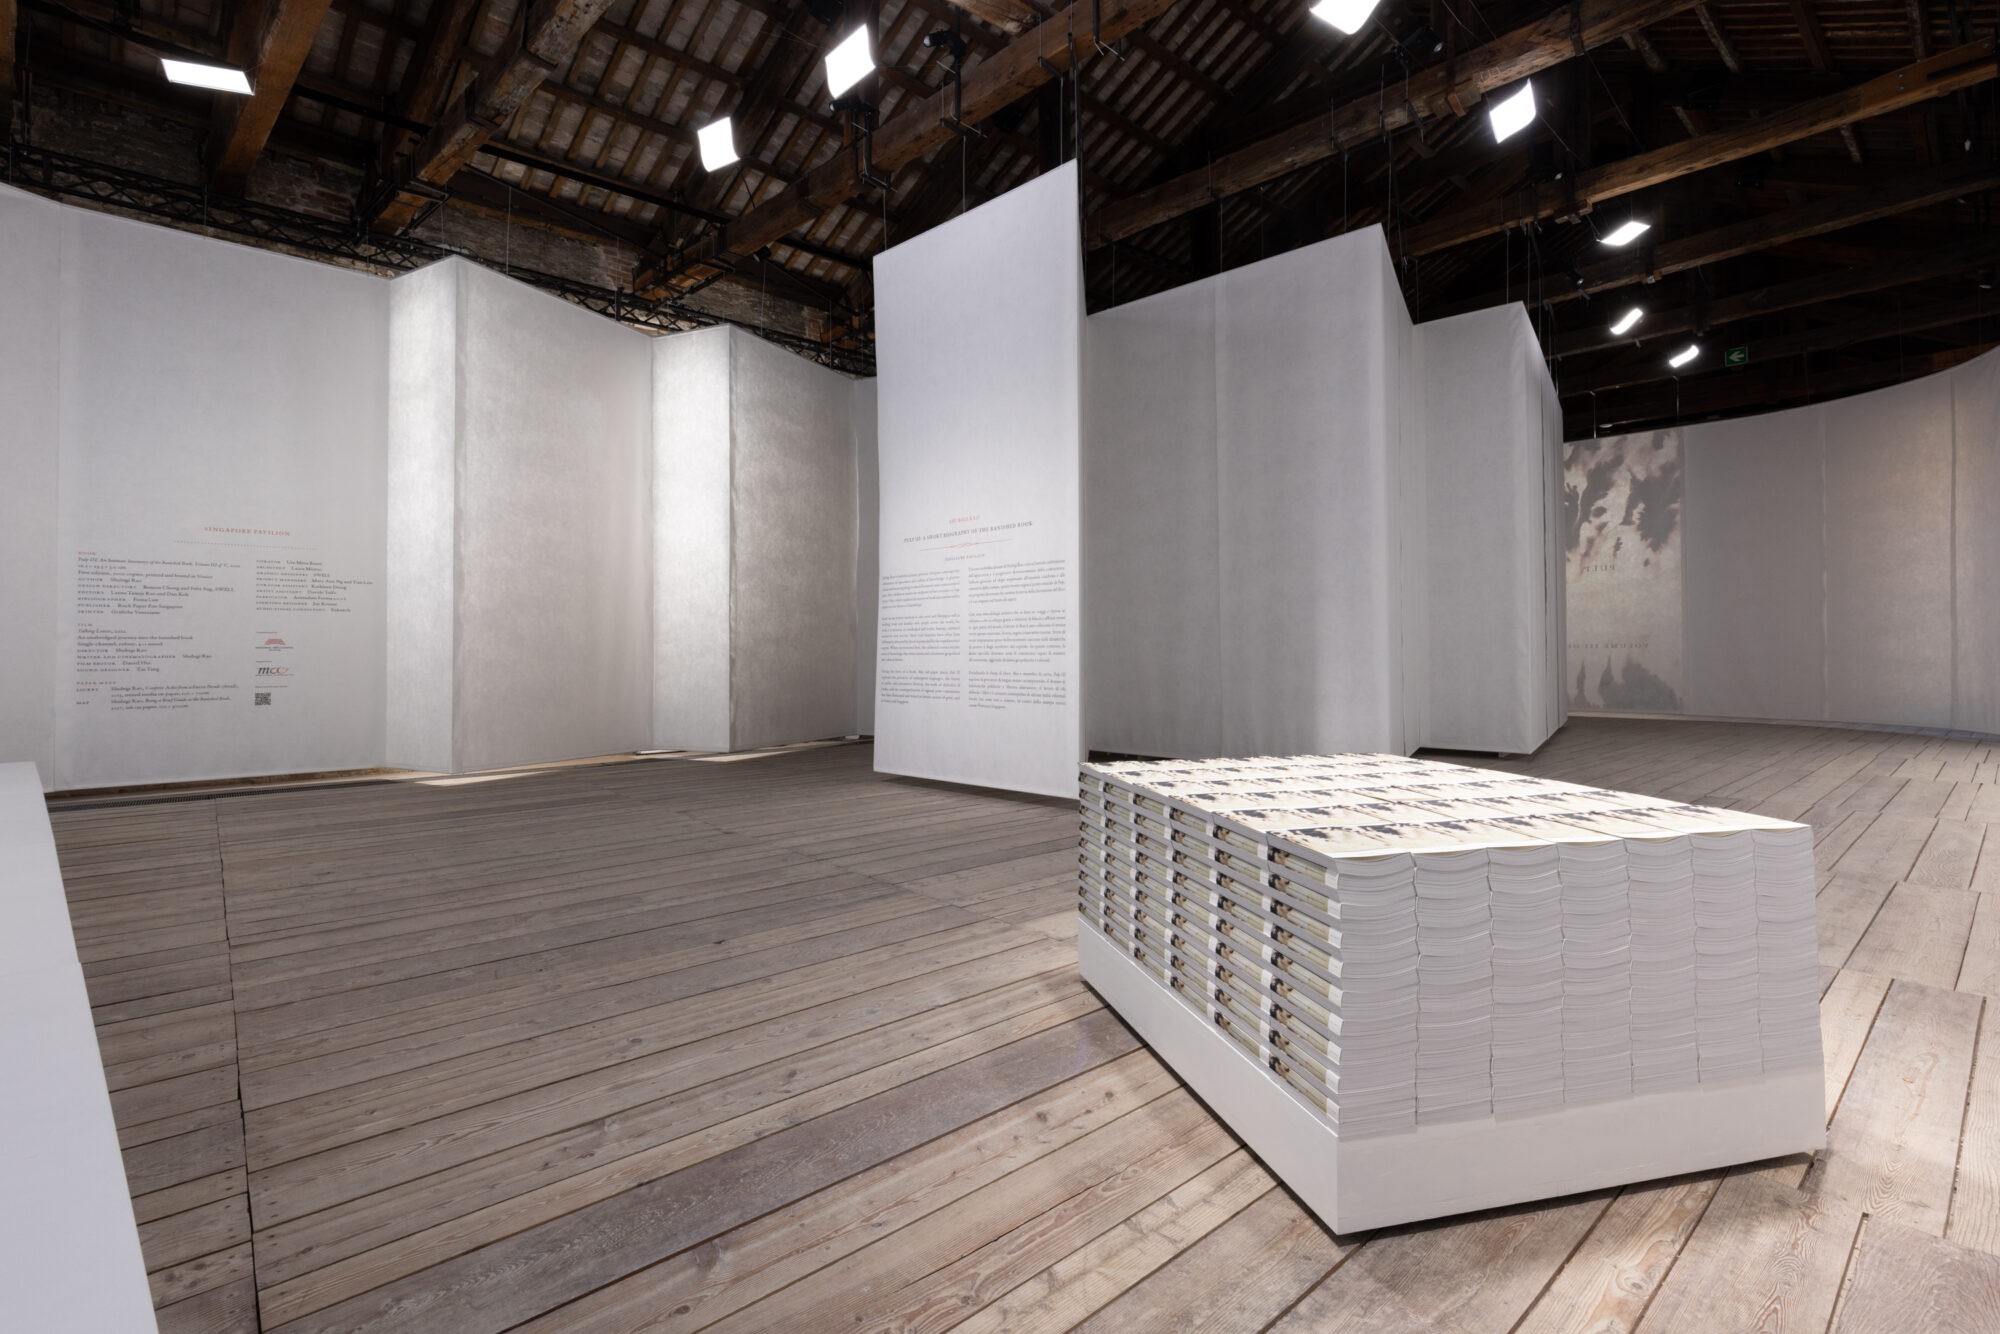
1820 174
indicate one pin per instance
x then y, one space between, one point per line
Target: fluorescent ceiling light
718 144
1346 15
849 63
221 78
1628 319
1628 231
1514 114
1684 356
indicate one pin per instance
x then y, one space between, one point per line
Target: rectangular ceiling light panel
220 78
849 63
1346 15
718 144
1513 114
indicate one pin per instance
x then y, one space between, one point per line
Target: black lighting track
191 207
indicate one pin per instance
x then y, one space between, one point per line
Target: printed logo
274 671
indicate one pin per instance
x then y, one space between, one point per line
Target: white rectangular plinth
1415 989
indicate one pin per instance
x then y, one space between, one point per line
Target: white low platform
1435 1171
69 1249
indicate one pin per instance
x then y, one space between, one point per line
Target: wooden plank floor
781 1045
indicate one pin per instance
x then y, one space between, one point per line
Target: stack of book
1404 943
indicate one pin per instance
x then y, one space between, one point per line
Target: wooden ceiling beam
1732 60
271 40
763 99
1847 335
1235 128
1009 16
1939 76
1820 287
427 81
653 46
1023 65
1445 89
1649 55
1901 195
1172 59
1253 110
545 42
1813 33
1821 57
564 95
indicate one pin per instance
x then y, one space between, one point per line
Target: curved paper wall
265 516
1836 563
756 463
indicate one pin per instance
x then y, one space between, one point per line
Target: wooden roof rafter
1439 90
1022 65
548 36
1939 76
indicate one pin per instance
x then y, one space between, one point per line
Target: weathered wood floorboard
784 1045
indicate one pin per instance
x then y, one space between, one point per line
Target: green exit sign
1737 356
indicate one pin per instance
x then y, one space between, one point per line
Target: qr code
263 696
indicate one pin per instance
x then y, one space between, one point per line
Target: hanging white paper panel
1491 678
1888 555
691 540
554 542
978 326
1266 502
792 489
1975 391
1754 564
221 556
1152 583
30 264
423 515
1306 408
867 553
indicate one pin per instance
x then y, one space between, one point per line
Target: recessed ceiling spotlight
1514 113
1628 319
1346 15
1684 356
218 78
717 141
1627 232
849 63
